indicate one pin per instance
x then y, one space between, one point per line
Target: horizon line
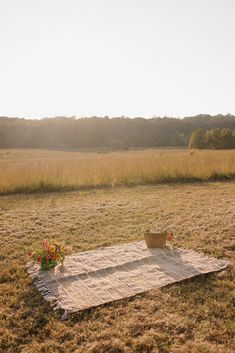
117 117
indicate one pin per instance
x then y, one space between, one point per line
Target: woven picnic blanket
95 277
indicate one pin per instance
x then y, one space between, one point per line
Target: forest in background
214 139
115 133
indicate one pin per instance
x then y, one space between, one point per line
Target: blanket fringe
45 291
65 315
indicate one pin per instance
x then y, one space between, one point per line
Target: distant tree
1 139
233 133
197 139
227 138
219 139
213 139
96 132
118 145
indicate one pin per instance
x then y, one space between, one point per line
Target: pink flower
45 244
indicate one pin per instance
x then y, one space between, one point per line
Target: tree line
212 139
115 133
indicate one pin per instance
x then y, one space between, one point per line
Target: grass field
42 170
194 316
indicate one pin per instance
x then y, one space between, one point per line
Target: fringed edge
33 271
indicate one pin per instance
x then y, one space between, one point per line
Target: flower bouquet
49 255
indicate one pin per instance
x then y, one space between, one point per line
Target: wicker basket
155 240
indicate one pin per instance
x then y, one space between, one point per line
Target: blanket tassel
65 316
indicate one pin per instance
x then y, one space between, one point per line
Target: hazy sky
117 57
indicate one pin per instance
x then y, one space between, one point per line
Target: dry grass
194 316
36 170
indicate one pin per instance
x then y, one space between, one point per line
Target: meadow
99 208
44 170
193 316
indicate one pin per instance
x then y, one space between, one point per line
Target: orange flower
52 249
170 237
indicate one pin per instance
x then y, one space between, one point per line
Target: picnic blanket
95 277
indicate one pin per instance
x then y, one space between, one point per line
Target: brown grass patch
192 316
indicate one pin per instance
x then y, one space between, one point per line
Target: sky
117 57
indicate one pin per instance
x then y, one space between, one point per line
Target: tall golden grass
38 170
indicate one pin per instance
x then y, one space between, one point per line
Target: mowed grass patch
45 171
194 316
